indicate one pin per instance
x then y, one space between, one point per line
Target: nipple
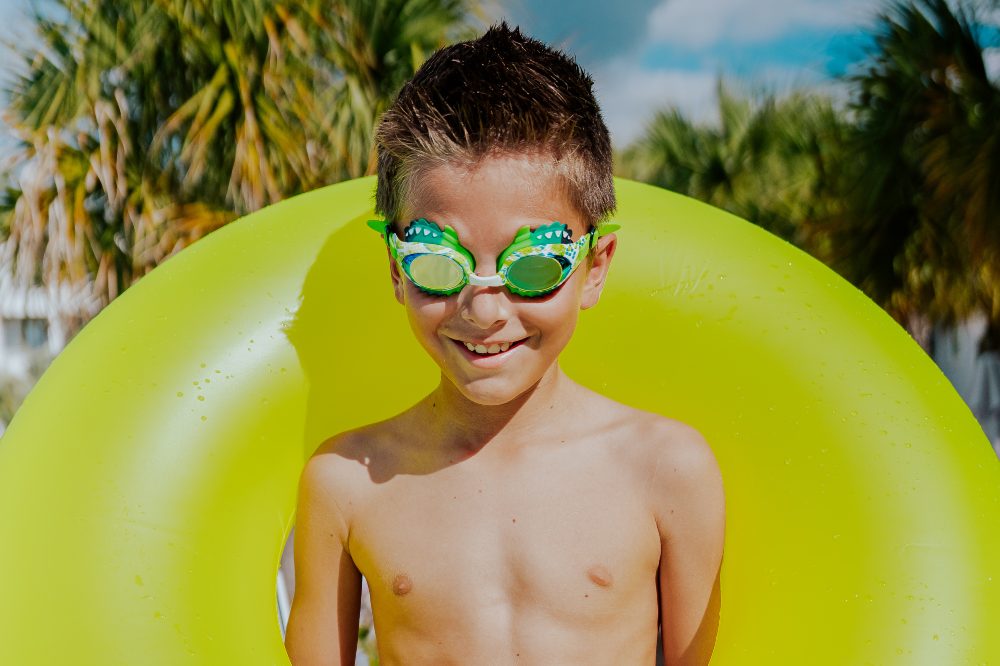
401 584
600 575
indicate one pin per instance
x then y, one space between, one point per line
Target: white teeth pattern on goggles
492 349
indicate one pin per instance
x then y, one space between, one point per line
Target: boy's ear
598 265
397 279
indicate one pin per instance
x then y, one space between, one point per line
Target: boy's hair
500 94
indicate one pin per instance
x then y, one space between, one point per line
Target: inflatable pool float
148 482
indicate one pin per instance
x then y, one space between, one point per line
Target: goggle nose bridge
489 281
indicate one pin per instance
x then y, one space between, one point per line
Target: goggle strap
602 230
379 225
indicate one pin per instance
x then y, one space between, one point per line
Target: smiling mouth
489 350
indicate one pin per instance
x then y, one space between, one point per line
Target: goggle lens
437 272
535 273
434 271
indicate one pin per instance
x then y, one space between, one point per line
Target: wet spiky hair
502 93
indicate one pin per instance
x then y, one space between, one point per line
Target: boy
512 515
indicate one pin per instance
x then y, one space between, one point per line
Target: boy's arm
322 625
689 505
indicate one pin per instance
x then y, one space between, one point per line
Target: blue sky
648 54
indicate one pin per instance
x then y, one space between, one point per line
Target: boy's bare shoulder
353 452
656 442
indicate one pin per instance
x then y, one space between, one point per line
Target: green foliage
900 192
767 159
922 195
145 125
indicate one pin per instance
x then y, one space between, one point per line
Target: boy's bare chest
572 541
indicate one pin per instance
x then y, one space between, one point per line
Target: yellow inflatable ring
148 483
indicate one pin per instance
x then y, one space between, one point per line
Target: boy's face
486 206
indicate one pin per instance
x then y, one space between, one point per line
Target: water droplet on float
180 394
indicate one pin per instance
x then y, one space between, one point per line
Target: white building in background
975 376
35 324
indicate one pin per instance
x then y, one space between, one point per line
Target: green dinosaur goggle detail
538 262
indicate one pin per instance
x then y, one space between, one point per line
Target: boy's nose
484 307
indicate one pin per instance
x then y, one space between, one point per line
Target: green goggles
538 262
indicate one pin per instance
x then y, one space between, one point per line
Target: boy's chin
491 393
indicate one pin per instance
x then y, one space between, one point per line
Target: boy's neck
456 424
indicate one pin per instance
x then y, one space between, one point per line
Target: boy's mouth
486 350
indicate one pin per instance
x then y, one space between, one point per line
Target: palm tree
145 125
374 47
922 191
766 160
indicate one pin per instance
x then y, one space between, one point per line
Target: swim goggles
536 263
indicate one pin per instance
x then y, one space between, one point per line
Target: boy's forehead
496 193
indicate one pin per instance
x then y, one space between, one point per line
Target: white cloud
704 23
629 96
991 58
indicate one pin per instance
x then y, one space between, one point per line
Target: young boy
512 515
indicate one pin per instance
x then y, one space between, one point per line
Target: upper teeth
492 349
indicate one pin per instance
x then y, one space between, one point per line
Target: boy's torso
541 553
